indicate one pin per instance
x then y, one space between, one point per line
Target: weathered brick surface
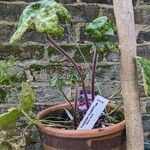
146 122
83 13
147 136
142 14
45 93
142 33
7 50
29 51
148 107
11 12
74 51
143 102
42 73
98 1
147 2
143 51
109 2
32 52
23 52
28 1
112 56
39 63
143 36
7 29
66 1
108 73
109 88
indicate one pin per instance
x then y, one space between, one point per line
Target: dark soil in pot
61 119
107 138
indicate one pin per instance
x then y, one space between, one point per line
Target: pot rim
92 133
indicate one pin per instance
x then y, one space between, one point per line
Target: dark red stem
94 63
63 52
75 106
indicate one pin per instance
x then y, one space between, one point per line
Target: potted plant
60 132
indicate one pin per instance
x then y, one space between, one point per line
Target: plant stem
95 58
75 107
63 52
66 98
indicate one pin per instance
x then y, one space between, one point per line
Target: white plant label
93 113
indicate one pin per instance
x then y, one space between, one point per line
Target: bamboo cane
123 10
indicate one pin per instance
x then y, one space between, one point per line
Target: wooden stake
123 10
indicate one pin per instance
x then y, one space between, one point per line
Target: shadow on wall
146 146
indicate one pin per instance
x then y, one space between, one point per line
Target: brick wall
39 62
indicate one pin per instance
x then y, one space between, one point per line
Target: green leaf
9 118
57 82
42 16
145 66
74 78
100 28
2 137
5 78
5 146
27 97
105 46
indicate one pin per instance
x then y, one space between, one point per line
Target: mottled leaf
5 78
9 118
105 46
100 28
57 82
74 78
42 16
27 97
145 66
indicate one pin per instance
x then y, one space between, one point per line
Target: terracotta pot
108 138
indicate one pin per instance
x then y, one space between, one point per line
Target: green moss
148 109
18 79
86 51
2 95
69 47
36 67
148 137
51 51
54 68
33 51
51 67
10 50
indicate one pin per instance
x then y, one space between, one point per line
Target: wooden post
123 10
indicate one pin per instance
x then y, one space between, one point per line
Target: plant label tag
93 113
